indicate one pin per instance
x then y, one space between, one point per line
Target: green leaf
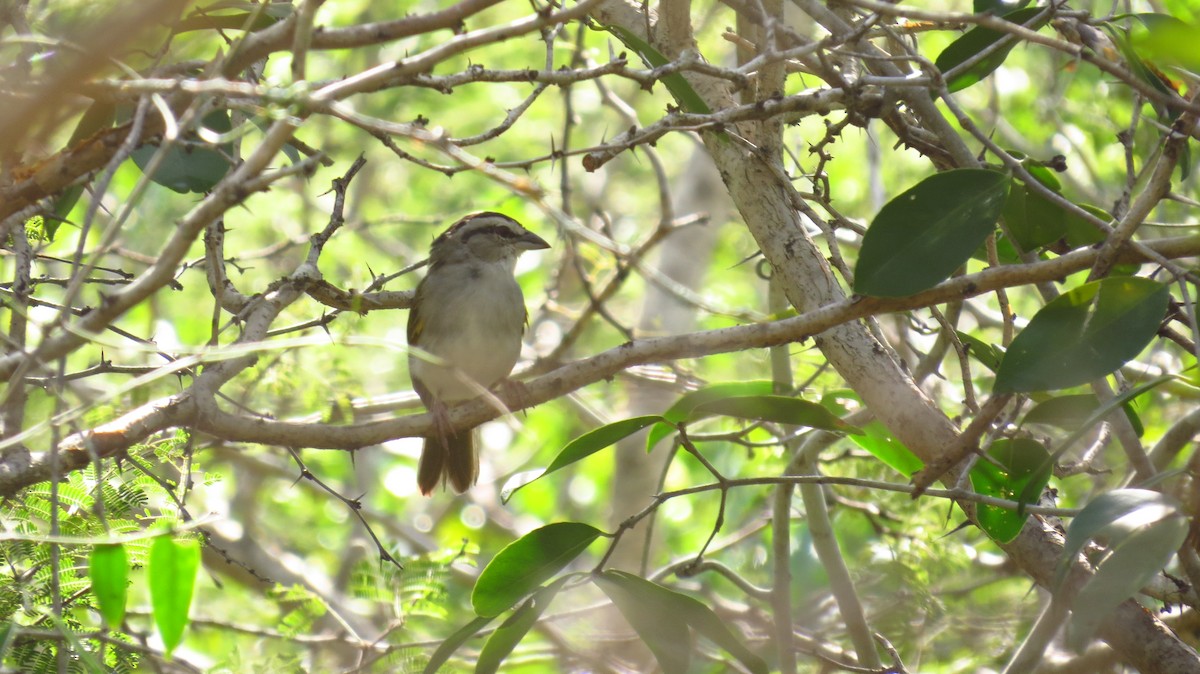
1123 574
526 563
1071 412
779 409
1114 516
452 642
108 569
920 237
661 617
1083 334
988 354
511 631
681 411
1023 469
976 41
1033 220
187 167
880 442
997 6
587 444
677 84
172 574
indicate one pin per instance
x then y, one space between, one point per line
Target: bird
465 327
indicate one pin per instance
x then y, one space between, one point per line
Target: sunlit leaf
880 442
681 411
172 573
526 563
587 444
1113 516
919 238
1023 469
1083 334
108 568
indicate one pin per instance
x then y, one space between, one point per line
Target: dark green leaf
920 237
779 409
108 569
526 563
1081 233
191 166
975 41
997 6
172 574
452 642
880 442
587 444
681 411
1023 469
1033 220
1083 334
1123 574
509 634
1071 412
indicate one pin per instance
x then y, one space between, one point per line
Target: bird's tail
453 461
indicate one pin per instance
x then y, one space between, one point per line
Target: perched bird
466 323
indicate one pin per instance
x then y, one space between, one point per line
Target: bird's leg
517 393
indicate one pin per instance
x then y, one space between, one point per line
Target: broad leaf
1083 334
108 568
988 354
526 563
681 411
880 442
511 631
661 617
1071 412
587 444
778 409
172 573
975 41
1123 574
190 165
919 238
452 643
1023 469
1113 516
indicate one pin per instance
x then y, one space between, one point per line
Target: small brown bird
466 324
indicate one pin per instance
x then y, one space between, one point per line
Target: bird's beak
531 241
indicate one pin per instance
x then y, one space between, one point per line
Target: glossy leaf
453 642
778 409
108 568
681 411
526 563
513 630
974 42
587 444
1123 574
919 238
1083 334
172 573
880 442
661 617
1023 469
190 166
